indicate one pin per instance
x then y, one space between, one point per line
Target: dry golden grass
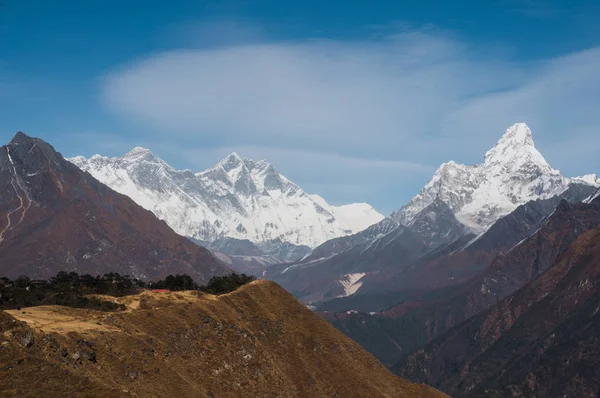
255 342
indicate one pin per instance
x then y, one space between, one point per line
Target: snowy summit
238 198
513 173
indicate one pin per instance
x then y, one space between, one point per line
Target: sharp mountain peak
513 172
138 150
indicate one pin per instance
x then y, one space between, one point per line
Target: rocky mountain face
440 254
464 258
541 340
257 341
237 198
437 225
593 196
54 217
525 244
344 243
513 173
341 275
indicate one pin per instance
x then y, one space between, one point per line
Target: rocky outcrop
539 340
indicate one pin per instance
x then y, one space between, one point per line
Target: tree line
71 289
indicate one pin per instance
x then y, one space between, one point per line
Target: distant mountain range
424 244
238 198
485 284
508 308
535 324
55 217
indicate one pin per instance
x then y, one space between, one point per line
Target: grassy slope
257 341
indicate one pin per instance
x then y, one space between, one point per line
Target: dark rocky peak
57 217
273 181
243 182
437 225
29 157
563 206
437 206
32 172
21 139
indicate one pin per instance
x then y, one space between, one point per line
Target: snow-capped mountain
238 198
513 173
357 216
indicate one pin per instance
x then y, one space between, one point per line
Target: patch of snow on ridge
589 179
592 197
351 283
357 216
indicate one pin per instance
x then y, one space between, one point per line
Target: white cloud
351 97
410 99
559 101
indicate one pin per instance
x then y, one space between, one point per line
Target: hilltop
256 341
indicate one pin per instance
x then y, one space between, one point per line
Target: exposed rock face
437 225
514 251
326 278
54 217
341 244
257 341
541 340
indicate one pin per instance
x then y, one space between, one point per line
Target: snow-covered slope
238 197
513 173
357 216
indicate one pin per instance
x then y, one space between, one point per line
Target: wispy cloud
414 98
347 96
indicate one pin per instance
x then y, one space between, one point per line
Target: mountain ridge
256 341
513 171
539 340
53 216
238 198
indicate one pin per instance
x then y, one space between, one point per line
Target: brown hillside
541 341
54 217
255 342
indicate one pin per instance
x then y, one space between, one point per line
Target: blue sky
354 100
